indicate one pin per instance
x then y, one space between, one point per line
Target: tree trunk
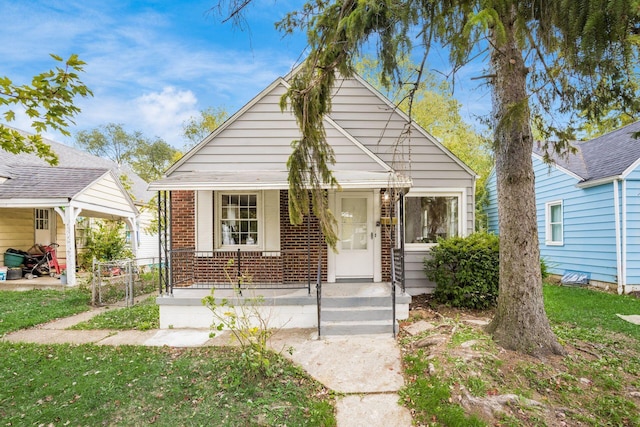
520 322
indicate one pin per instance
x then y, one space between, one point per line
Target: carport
27 192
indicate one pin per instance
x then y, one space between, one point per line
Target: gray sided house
228 200
588 207
44 204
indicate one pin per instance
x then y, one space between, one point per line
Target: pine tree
546 61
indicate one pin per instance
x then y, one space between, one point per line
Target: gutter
624 235
616 208
596 182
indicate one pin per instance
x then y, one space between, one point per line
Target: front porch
242 244
44 282
340 308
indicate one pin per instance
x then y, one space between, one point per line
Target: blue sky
153 64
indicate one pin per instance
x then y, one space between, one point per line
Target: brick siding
183 220
296 243
289 266
388 235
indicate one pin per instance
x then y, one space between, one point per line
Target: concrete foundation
282 308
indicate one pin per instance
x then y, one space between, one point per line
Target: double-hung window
238 222
42 219
554 224
431 216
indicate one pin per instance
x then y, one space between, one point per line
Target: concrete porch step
356 301
356 328
356 313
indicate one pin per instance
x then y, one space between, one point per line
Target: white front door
356 231
44 226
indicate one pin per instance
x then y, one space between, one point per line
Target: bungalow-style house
228 208
588 207
38 202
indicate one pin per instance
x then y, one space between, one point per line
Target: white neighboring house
38 200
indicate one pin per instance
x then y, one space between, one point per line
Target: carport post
69 214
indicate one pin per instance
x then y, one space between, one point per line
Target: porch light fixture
385 195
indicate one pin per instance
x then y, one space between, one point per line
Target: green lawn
593 385
143 316
134 385
131 385
20 310
591 311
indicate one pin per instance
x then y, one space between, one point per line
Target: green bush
106 241
544 268
465 270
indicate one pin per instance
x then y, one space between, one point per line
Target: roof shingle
69 157
606 156
37 182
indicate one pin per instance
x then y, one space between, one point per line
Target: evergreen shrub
465 270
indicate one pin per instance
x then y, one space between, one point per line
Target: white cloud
163 113
150 65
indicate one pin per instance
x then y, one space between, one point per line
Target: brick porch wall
261 267
183 220
388 234
295 238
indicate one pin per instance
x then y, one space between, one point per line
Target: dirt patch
596 383
424 306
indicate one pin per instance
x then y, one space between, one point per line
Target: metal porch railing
319 294
397 279
284 269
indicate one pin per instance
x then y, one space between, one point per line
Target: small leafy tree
466 270
247 321
106 242
249 327
47 101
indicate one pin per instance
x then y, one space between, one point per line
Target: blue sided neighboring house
588 207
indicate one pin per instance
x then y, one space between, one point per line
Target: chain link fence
123 280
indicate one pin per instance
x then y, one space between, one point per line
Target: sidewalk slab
178 338
67 322
128 338
50 336
357 364
372 410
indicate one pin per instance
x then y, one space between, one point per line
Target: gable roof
36 182
69 157
419 129
607 156
362 130
258 137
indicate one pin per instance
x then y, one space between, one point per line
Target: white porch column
69 215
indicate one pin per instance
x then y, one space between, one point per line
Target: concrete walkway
365 371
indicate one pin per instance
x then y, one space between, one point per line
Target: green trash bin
13 260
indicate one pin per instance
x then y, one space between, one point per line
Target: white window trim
461 193
219 247
42 218
547 221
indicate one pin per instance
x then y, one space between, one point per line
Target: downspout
616 209
473 210
624 236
